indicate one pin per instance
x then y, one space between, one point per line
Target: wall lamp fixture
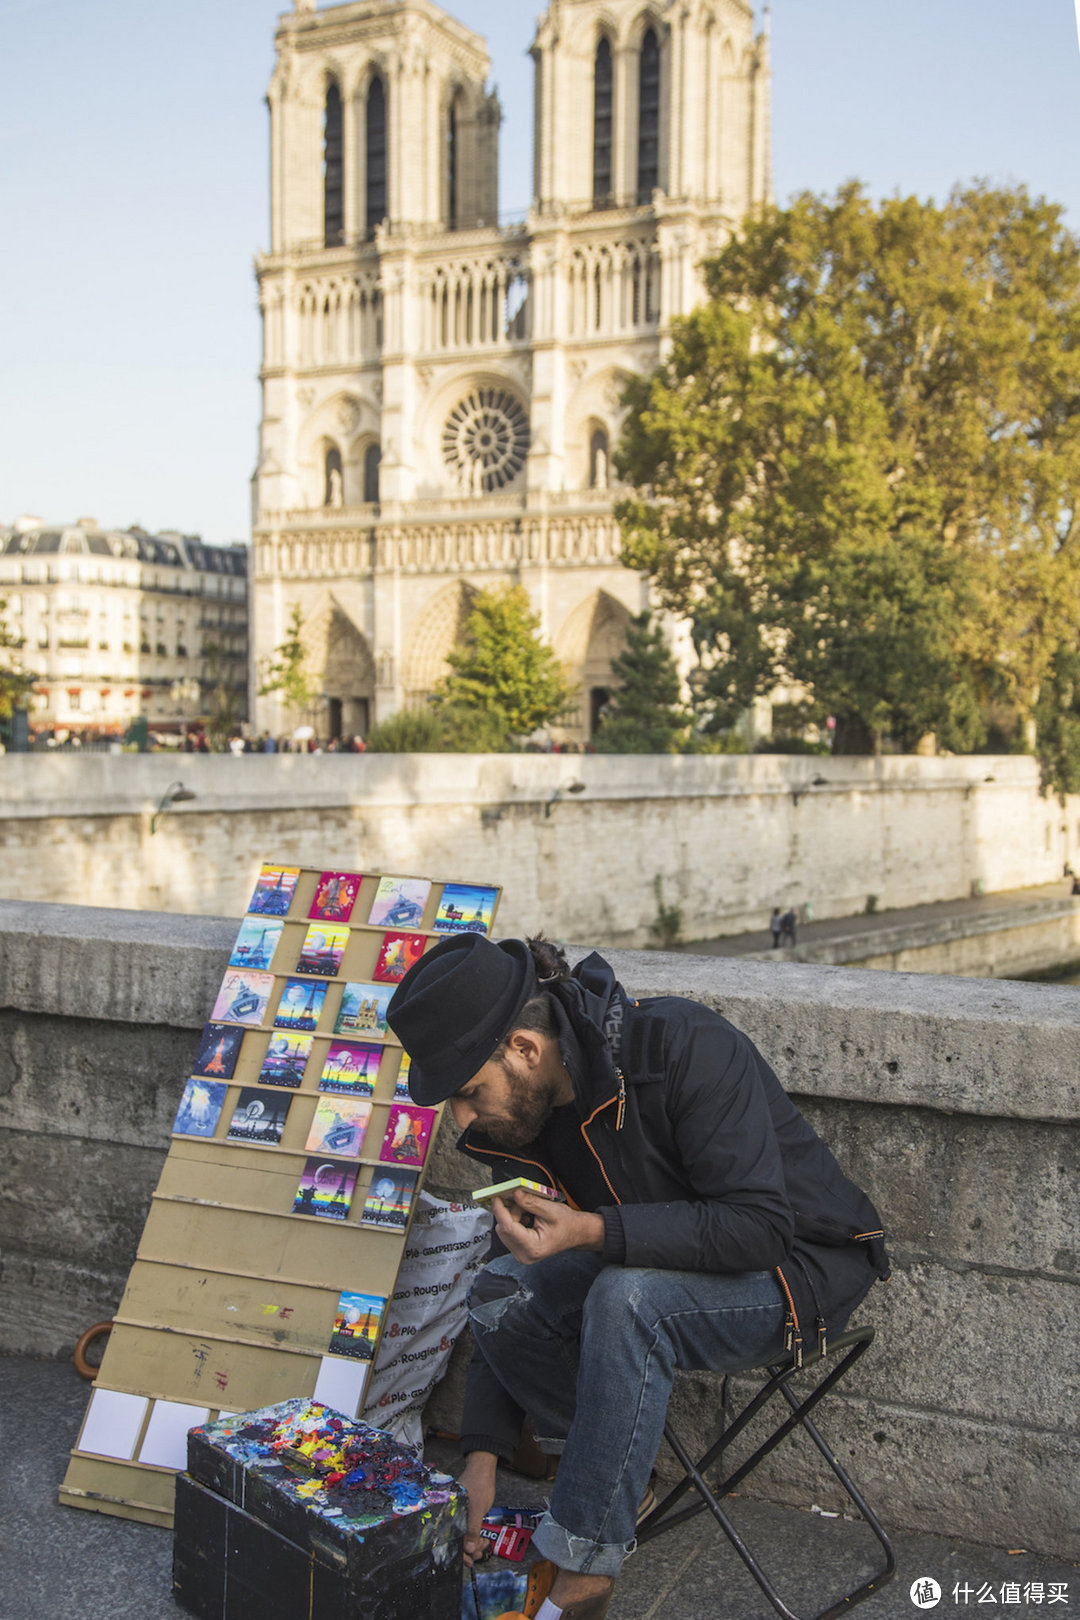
573 786
175 793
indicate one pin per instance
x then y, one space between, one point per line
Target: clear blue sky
133 195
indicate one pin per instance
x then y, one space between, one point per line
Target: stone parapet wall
954 1102
724 838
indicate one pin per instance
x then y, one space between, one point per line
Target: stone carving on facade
348 415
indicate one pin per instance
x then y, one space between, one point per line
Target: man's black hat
455 1007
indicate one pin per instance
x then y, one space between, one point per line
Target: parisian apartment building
117 624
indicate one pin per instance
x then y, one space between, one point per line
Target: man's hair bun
548 959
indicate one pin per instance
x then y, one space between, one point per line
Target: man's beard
532 1106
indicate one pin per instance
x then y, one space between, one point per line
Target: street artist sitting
706 1225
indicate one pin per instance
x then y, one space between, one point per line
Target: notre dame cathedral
441 394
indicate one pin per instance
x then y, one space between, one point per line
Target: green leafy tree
1057 719
645 715
224 712
857 472
504 682
286 672
16 683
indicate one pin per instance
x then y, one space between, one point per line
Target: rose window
485 440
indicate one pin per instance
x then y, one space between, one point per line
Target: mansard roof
167 550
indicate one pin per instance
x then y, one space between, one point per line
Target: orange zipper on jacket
792 1332
592 1150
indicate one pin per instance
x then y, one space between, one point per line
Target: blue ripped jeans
590 1350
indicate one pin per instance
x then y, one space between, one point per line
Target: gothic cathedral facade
441 395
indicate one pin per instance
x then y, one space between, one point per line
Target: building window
333 489
333 171
372 458
603 103
376 155
599 453
453 161
648 117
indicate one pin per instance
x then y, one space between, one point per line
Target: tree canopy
504 680
15 682
857 472
286 672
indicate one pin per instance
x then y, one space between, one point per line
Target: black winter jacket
710 1165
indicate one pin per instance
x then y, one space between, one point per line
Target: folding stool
840 1355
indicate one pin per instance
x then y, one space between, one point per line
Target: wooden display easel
231 1301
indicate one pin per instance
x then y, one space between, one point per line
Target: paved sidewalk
59 1563
810 934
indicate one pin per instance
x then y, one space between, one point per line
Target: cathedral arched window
453 166
648 175
603 109
599 460
333 479
376 155
333 171
372 458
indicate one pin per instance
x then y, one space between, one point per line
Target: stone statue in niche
336 492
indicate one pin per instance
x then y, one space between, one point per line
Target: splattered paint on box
296 1496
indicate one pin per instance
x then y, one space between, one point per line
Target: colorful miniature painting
335 896
301 1003
256 942
259 1117
350 1067
390 1198
356 1325
285 1060
243 997
401 1084
363 1010
399 902
326 1189
397 954
200 1108
465 908
274 890
338 1126
322 950
407 1135
219 1050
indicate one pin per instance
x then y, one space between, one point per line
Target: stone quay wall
953 1101
723 839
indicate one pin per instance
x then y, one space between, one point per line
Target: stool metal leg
662 1517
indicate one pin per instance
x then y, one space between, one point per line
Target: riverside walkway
909 929
71 1565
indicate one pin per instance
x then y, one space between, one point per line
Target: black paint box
294 1512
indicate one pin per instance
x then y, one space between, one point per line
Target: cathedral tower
639 97
441 396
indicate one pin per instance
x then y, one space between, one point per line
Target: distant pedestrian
776 927
787 927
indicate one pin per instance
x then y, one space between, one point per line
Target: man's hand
478 1481
553 1227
